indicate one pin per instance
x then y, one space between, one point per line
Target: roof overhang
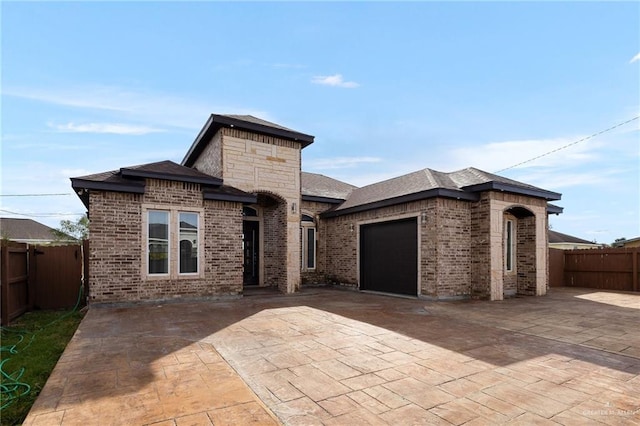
505 187
229 194
317 199
553 209
216 122
136 173
417 196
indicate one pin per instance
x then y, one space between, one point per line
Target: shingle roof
320 186
25 230
131 179
426 183
167 170
256 120
243 122
558 237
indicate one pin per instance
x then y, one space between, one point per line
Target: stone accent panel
264 164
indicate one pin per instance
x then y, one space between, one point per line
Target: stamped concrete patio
336 357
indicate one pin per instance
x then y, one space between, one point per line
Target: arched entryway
265 241
519 251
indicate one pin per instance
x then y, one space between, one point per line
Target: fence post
635 269
4 283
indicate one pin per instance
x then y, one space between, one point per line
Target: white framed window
173 242
309 243
158 242
188 224
509 235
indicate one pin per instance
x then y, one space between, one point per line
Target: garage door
389 257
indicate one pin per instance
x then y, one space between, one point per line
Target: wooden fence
40 277
607 269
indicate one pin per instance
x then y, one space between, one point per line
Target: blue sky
386 88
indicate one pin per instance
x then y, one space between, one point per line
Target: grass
34 342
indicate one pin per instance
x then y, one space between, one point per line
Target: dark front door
251 244
389 257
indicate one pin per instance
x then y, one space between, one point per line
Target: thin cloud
339 162
500 155
335 80
154 109
109 128
635 58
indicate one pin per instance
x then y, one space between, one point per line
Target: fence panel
57 274
556 267
14 280
607 269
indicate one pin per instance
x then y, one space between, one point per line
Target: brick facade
461 242
118 245
456 255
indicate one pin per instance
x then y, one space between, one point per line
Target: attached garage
389 257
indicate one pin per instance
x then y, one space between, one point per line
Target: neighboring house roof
462 184
630 242
316 187
243 122
131 179
558 237
27 230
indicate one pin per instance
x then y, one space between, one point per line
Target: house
627 243
562 241
239 212
29 231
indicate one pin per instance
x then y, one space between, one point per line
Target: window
308 243
509 245
188 243
173 243
158 242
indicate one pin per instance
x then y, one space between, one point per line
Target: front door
251 246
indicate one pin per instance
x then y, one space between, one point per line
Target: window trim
509 245
148 244
305 226
178 239
174 242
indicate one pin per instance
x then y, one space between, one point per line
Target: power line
41 214
33 195
570 144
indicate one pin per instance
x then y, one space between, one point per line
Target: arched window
308 236
249 212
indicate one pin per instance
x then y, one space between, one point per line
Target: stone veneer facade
268 166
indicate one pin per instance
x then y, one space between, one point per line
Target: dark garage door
389 257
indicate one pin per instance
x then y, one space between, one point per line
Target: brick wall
453 248
274 217
318 276
480 259
114 248
118 252
445 252
526 256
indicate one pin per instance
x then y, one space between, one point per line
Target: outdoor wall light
293 207
351 227
423 217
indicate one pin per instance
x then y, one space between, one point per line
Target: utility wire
570 144
33 195
41 214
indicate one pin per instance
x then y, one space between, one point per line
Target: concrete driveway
337 357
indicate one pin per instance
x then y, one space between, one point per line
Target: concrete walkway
337 357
